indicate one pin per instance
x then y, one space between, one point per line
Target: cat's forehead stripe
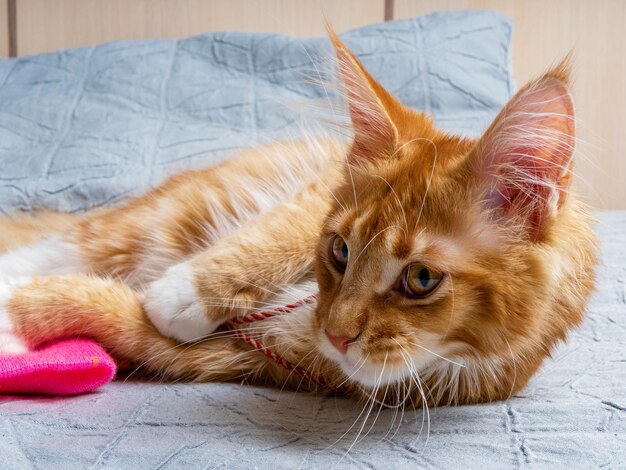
346 224
401 245
364 221
396 238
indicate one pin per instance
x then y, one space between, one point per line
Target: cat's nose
340 342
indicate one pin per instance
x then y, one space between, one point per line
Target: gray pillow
89 127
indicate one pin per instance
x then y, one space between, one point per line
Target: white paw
174 307
9 342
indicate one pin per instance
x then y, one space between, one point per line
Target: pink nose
340 342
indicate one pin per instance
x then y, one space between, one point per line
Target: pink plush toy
64 367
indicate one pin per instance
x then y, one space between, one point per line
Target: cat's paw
174 307
10 343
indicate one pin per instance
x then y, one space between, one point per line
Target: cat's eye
339 253
418 281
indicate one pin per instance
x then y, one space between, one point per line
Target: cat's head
452 253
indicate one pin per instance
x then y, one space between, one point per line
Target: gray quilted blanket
90 127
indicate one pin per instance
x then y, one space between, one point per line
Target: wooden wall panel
46 25
4 28
544 31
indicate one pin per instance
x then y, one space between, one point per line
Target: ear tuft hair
368 104
562 71
524 159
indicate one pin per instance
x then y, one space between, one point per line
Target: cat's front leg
192 299
240 272
43 309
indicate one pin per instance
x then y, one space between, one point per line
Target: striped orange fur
491 223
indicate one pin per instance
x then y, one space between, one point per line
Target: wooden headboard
544 32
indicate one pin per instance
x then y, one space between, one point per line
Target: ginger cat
447 268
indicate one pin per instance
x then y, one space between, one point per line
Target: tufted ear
371 106
524 159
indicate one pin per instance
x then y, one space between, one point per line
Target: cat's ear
370 106
524 159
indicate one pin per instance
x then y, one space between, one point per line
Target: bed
91 127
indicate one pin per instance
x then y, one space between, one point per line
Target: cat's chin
373 375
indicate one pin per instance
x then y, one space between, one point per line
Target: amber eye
419 281
339 252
